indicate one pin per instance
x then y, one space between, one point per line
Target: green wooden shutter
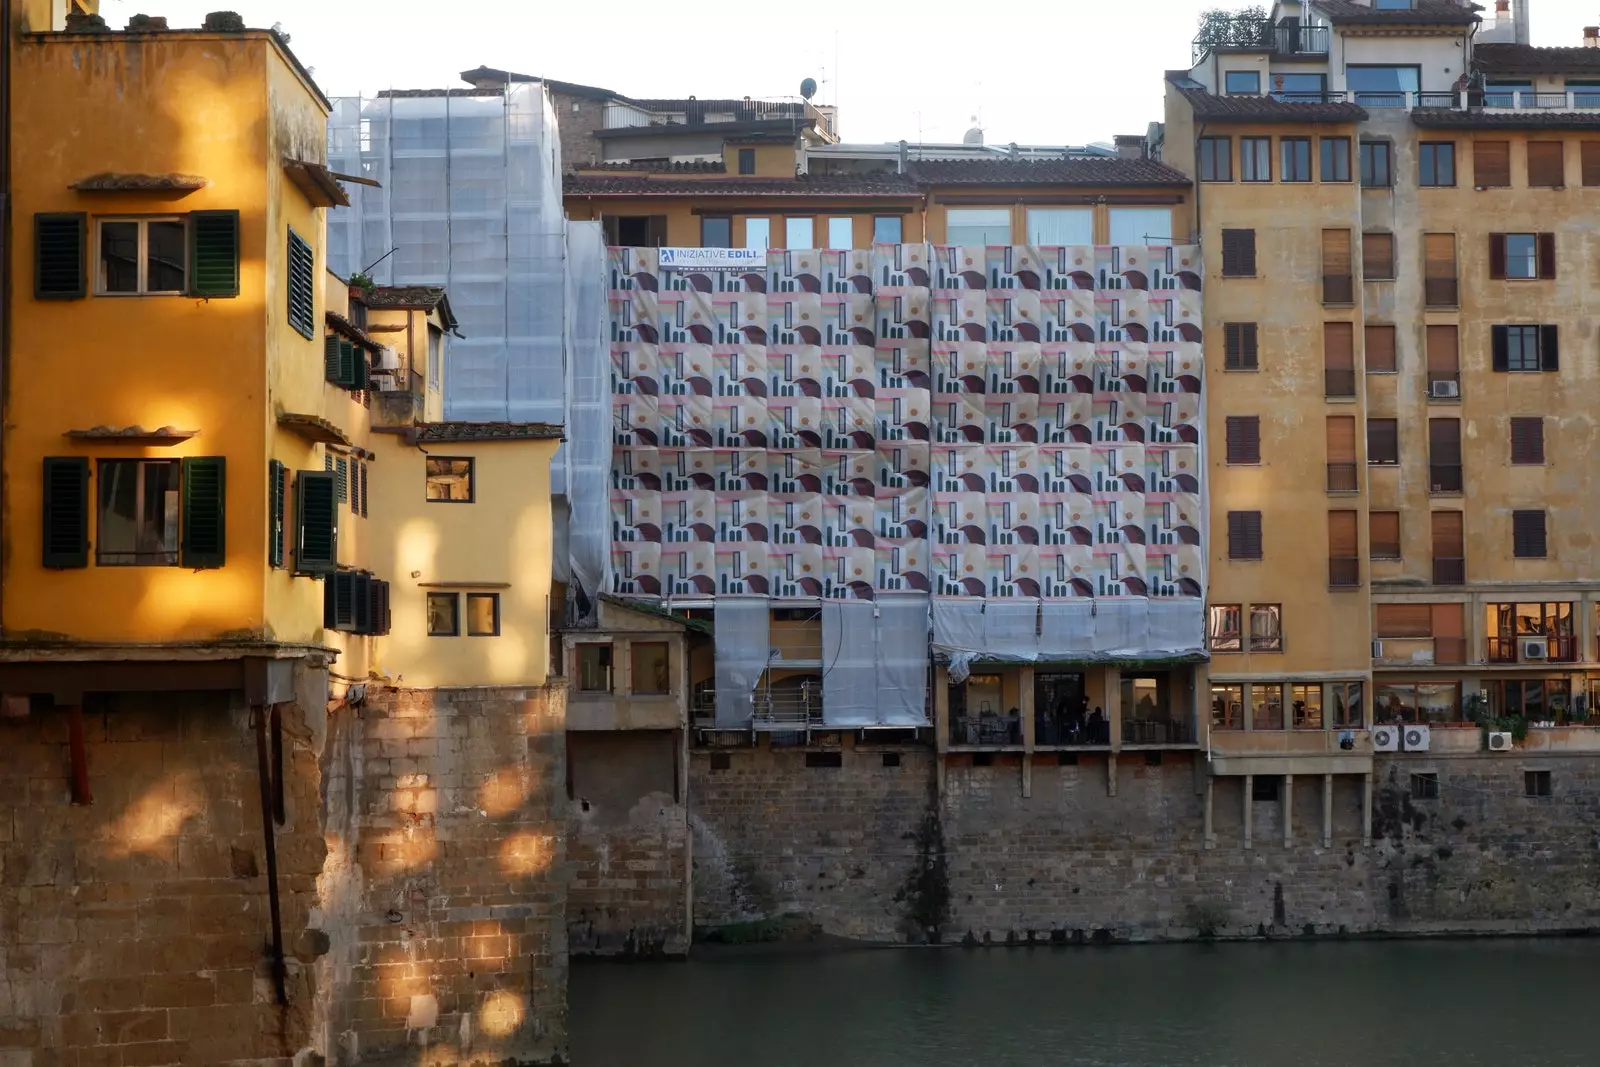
348 355
358 370
205 528
302 286
332 347
378 607
339 596
214 253
60 260
363 604
316 516
277 487
66 512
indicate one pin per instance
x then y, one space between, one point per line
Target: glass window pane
1522 255
442 614
799 233
138 513
1243 81
758 233
449 479
1307 705
1061 226
841 233
1141 226
716 232
1266 706
887 229
977 226
165 251
594 668
1227 707
483 614
117 534
651 673
119 257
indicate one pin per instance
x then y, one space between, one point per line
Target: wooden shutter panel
1244 439
1591 162
1547 164
1239 346
1547 255
1527 440
1527 534
277 491
347 363
1402 620
60 259
1447 535
1383 534
214 253
1336 259
1491 164
1377 255
1244 535
1497 255
1342 538
1449 620
66 512
1338 345
205 526
332 357
363 604
1239 252
302 286
358 368
1341 439
339 592
1549 349
1383 441
316 506
1439 254
1380 348
377 607
1443 351
1444 442
1499 348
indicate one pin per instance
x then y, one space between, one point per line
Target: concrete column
1199 702
1247 693
1249 789
1113 706
1210 840
941 709
1288 809
1025 708
1366 808
1327 811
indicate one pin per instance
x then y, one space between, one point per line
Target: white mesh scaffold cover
743 648
588 444
876 662
1017 630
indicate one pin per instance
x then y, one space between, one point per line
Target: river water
1302 1004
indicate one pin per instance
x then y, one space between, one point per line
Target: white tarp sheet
849 665
902 697
1015 630
743 647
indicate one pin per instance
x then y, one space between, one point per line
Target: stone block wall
444 889
627 845
135 930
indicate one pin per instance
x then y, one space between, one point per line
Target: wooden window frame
143 223
1218 639
1424 149
1213 150
472 478
1340 161
494 603
1239 261
633 667
454 599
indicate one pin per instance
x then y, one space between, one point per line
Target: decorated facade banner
965 422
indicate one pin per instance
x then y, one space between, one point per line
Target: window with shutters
277 506
1223 627
1339 359
345 363
449 479
1383 534
1547 167
1437 161
1344 560
1439 269
341 477
1338 269
1449 548
1522 255
141 257
1255 159
1244 535
316 514
1335 159
444 614
66 512
1294 164
302 286
1377 171
138 519
1216 159
1527 534
1238 253
1444 455
1244 438
1377 257
58 256
483 614
1527 441
1444 363
1524 348
1342 454
1383 442
1590 156
1239 346
1380 345
1491 164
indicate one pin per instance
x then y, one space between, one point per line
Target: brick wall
135 930
627 845
444 885
578 117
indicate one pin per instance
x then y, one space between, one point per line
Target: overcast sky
1035 71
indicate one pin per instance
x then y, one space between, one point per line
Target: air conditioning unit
388 358
1414 738
383 383
1377 650
1386 739
1535 649
1500 742
1444 390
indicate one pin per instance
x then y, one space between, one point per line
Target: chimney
1591 37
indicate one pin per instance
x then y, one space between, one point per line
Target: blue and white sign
713 259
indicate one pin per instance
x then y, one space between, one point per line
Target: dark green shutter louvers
332 347
277 491
378 612
339 601
66 512
302 286
214 253
316 506
363 604
59 256
358 378
205 528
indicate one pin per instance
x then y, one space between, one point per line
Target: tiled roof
697 166
1525 59
1421 13
1102 170
139 183
345 328
453 432
1209 107
800 185
1447 119
405 296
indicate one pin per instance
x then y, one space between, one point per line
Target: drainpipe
264 775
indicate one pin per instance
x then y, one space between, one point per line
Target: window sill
1240 277
1444 400
1390 278
1341 399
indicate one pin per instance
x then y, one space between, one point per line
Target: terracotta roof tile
1086 170
404 296
1525 59
454 432
696 166
1209 107
800 185
1422 13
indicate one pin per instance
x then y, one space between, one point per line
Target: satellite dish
808 88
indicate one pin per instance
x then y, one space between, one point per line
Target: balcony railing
1338 289
1156 732
1440 292
986 730
1444 477
1339 381
1449 570
1342 478
788 709
710 112
1052 728
1558 648
1344 572
1250 32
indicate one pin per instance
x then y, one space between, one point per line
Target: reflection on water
1372 1004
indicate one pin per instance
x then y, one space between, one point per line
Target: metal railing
787 709
1051 728
711 112
1160 731
1440 292
1501 650
1444 477
986 730
1342 478
1251 32
1344 572
1338 289
1339 381
1558 648
1449 570
1470 100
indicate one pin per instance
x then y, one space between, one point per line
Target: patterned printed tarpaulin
1002 422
